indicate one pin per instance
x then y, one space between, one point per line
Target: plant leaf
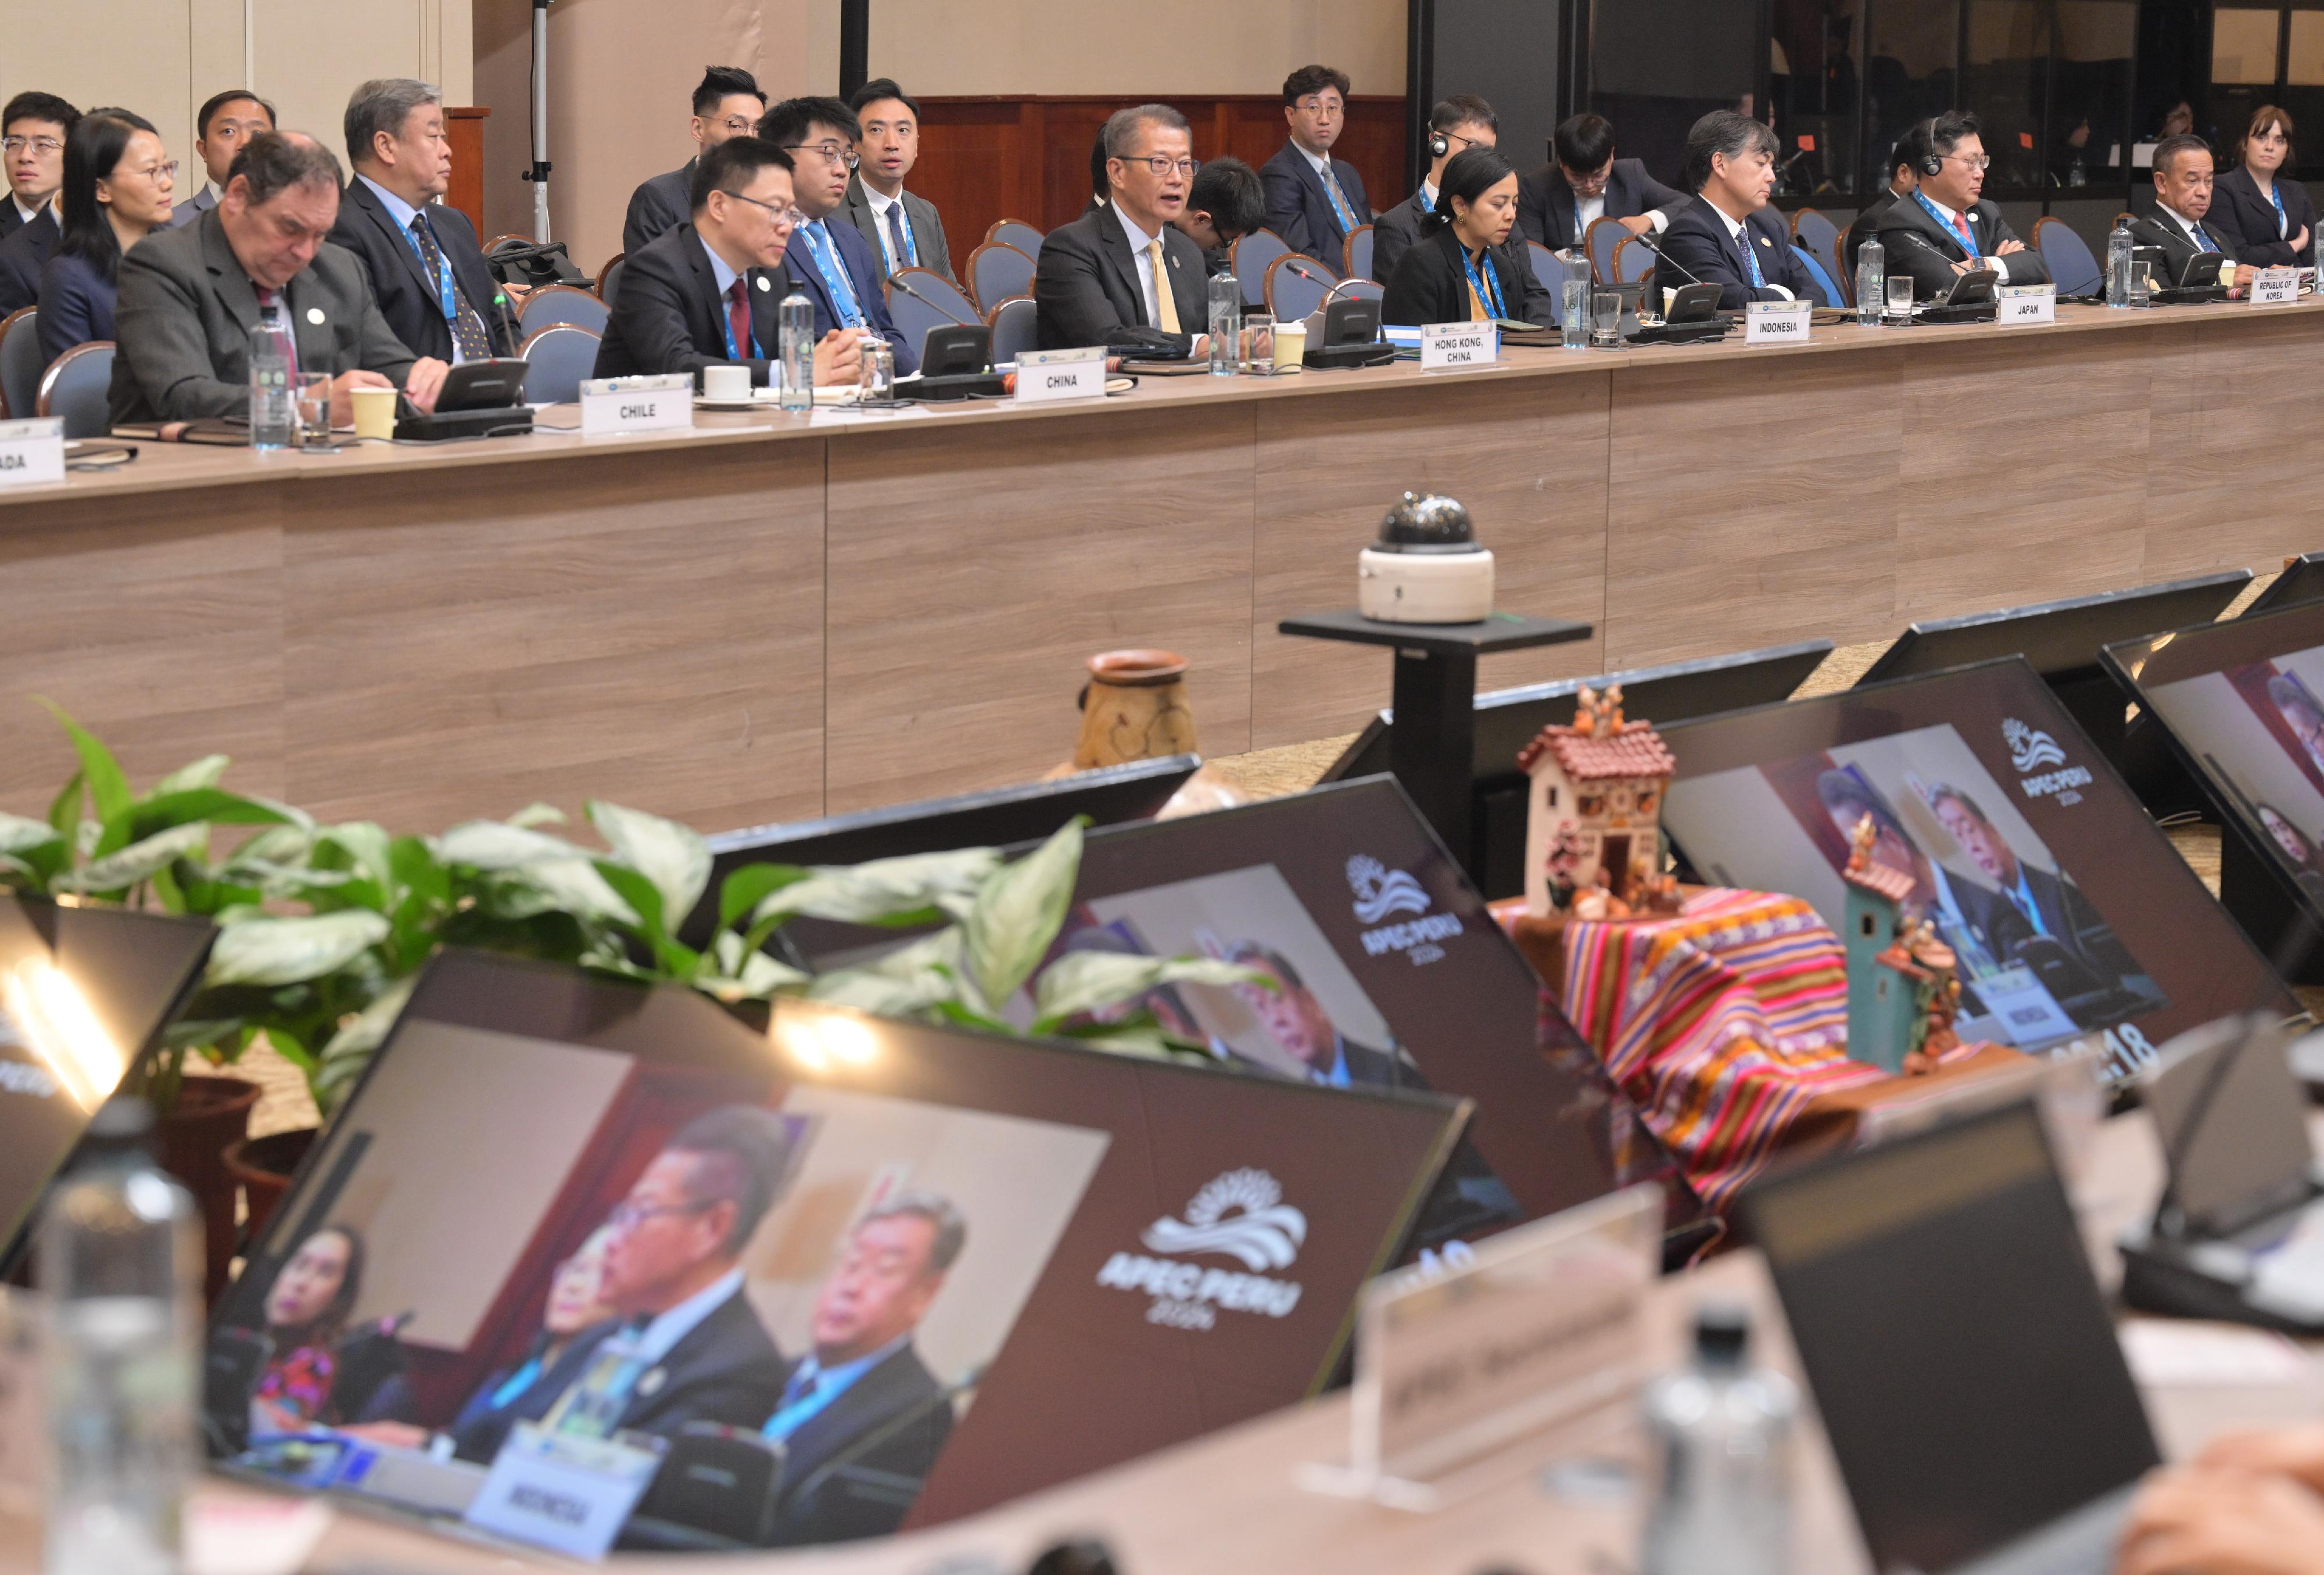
751 885
107 784
205 772
1084 981
1018 911
19 833
213 804
674 857
269 951
538 814
138 861
367 844
350 1049
64 809
570 885
884 888
495 846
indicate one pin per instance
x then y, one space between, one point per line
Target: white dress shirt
1735 233
1949 215
2184 223
667 1329
29 213
1138 243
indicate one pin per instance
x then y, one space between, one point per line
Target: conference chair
997 271
1015 232
1819 280
2066 256
497 241
562 303
1356 253
20 364
560 356
606 275
1632 259
74 387
1291 294
1548 268
1603 242
921 299
1815 234
1016 327
1249 260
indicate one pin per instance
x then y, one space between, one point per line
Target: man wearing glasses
1313 199
829 258
726 105
225 123
1128 265
33 130
1582 182
1944 228
711 290
1461 121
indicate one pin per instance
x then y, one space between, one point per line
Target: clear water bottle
2118 248
797 317
1720 1434
1226 324
273 362
1573 306
120 1262
1871 281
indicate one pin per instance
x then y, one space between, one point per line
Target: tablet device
1974 287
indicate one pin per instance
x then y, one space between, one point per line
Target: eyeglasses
1464 141
629 1216
791 216
829 152
1322 105
735 125
169 170
1981 163
1162 166
38 144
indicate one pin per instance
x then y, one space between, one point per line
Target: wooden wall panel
466 129
2230 475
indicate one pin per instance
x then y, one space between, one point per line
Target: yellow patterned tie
1166 303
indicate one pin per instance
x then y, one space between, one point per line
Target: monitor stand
2254 896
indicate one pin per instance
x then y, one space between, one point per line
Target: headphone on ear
1437 146
1932 165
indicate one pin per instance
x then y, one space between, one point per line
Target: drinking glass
1900 297
311 402
1606 319
875 381
2141 281
1259 344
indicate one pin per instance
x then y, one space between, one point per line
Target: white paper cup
1290 345
374 411
727 384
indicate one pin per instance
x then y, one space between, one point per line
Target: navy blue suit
401 283
1698 242
76 305
23 255
863 272
1299 209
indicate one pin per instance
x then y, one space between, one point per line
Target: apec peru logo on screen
2030 750
1239 1215
1382 892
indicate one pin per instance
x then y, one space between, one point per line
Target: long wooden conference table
775 616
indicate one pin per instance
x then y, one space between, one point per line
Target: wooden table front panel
2230 470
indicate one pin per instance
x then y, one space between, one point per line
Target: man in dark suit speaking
1584 181
2047 904
190 296
861 1419
1728 236
1126 265
1942 228
1313 199
427 271
1300 1026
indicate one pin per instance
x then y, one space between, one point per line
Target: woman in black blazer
118 181
2268 221
1458 273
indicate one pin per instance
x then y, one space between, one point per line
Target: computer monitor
2302 580
1014 1263
1961 1357
2076 923
84 994
993 817
1508 719
1392 972
2239 702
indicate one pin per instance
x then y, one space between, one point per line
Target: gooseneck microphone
1646 239
900 282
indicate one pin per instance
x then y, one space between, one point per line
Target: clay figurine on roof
1593 840
1902 991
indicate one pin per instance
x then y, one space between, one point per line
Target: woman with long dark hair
118 181
2267 217
1460 270
307 1311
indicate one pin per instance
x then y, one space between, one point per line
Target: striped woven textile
1721 1024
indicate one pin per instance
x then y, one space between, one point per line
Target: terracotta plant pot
263 1167
1134 708
210 1113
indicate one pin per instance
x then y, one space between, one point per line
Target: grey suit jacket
658 207
183 318
928 230
193 208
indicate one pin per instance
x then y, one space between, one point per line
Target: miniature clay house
1900 989
1594 815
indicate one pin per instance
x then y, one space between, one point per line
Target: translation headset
1437 146
1931 165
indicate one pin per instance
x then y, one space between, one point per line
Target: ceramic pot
1134 708
210 1113
262 1167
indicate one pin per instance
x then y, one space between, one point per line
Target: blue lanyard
2282 221
1487 288
1951 234
835 275
443 269
726 327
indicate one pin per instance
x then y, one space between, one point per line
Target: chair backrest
997 271
938 302
1015 232
559 356
20 362
607 275
1360 290
1291 295
1604 238
1356 253
75 386
1820 281
1633 259
1814 232
497 241
2066 256
1016 327
561 303
1250 257
1841 274
1548 268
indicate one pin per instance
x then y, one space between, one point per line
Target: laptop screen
2074 920
1956 1342
728 1287
83 992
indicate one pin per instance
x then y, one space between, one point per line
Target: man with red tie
1944 228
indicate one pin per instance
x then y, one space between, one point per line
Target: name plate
2274 286
1777 322
32 453
569 1495
636 404
1458 1361
1443 344
2021 305
1047 376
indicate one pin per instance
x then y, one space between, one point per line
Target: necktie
2202 238
1339 208
1166 302
1750 258
1961 228
900 239
738 319
467 329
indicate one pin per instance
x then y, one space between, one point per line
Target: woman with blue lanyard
2270 222
1459 270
